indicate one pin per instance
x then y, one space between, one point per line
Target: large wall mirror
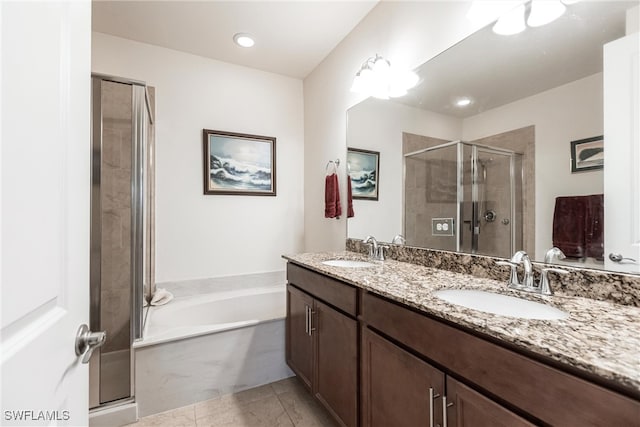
504 145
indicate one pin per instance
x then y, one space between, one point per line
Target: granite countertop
598 337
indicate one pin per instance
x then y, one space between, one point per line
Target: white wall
560 115
633 20
208 236
406 33
384 218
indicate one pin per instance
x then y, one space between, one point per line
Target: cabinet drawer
549 394
338 294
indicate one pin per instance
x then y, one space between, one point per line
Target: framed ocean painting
364 172
239 164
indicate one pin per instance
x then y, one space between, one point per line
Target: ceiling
495 70
292 37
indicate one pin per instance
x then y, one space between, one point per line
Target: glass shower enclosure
121 272
466 197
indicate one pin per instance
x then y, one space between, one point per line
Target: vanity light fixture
511 22
378 79
244 40
544 12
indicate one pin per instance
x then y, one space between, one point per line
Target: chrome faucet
528 284
376 251
553 253
545 284
521 257
373 246
399 240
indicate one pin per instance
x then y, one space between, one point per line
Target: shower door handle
87 341
619 258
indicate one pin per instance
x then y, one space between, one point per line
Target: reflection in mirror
488 175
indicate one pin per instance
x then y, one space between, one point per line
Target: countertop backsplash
596 284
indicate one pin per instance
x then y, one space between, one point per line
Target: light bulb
397 92
409 79
544 12
463 102
382 69
357 85
483 12
511 22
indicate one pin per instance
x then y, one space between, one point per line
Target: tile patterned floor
281 404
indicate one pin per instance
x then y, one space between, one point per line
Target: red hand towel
332 208
350 213
569 225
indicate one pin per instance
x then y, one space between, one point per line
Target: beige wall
406 33
201 236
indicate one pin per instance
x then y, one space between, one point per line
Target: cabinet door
471 409
299 340
336 380
396 386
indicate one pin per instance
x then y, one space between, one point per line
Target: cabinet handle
307 318
445 405
432 397
311 328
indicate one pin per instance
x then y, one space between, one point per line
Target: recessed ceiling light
244 40
463 102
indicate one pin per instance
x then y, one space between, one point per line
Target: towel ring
336 162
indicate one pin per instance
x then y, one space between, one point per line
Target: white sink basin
502 305
347 263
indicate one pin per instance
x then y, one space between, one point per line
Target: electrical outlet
442 227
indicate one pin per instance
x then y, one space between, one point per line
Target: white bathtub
198 348
215 312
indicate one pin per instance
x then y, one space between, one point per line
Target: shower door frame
460 188
476 214
139 142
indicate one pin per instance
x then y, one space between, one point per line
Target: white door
45 157
622 153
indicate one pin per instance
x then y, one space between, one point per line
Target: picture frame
364 172
238 164
587 154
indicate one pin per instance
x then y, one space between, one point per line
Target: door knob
619 258
87 341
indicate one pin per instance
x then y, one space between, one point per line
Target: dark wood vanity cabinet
322 340
397 388
466 407
540 392
374 362
299 345
400 389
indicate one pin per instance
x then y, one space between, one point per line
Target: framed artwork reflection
364 172
587 154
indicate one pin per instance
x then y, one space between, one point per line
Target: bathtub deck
283 403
